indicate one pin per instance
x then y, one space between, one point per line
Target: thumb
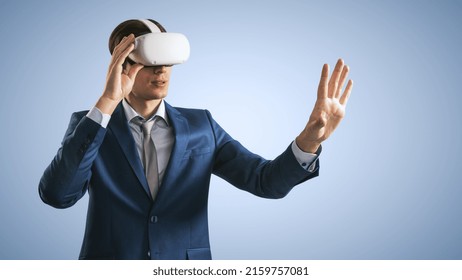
319 120
134 71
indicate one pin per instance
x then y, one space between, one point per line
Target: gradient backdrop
390 184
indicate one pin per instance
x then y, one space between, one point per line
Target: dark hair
128 27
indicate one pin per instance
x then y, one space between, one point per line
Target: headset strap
149 24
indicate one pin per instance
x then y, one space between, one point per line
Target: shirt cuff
306 160
99 117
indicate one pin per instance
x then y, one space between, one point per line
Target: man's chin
149 96
159 95
158 92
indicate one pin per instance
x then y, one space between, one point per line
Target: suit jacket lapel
181 132
119 126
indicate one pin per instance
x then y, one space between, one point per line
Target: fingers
124 54
332 88
322 88
334 79
122 50
342 80
127 40
346 94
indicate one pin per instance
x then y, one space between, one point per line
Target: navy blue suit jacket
122 220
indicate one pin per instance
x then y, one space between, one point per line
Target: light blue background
390 184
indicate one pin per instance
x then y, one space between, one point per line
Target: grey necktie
150 158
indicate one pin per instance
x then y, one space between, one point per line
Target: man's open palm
329 108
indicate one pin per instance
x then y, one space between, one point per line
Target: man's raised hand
329 108
119 81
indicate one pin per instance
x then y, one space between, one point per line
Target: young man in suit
147 165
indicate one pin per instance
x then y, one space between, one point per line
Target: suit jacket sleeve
66 179
252 173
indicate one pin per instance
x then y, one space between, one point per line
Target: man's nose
160 69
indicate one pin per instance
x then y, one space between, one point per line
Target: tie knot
146 126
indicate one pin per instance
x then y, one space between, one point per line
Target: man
140 208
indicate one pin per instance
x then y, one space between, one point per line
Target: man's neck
146 108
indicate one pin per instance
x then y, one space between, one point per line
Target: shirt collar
130 113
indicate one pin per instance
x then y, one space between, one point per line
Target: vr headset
160 48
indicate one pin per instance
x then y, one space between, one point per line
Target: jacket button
149 254
153 219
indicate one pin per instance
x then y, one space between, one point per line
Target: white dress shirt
162 135
162 130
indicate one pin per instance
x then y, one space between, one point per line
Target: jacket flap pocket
197 152
198 254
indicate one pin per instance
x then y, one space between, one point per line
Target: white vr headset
160 48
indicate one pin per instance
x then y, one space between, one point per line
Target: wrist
306 145
106 105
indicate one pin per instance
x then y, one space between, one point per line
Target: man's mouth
159 83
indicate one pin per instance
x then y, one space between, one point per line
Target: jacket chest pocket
196 152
